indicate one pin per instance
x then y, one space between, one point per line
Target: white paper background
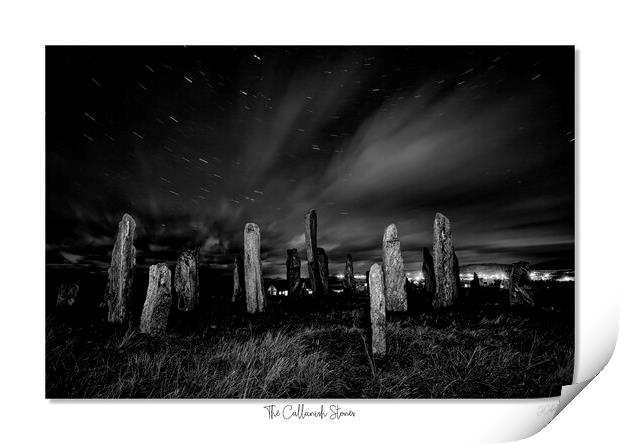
26 27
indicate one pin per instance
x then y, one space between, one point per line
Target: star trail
194 142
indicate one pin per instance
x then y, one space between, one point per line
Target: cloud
72 258
366 136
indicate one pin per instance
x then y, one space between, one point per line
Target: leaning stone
445 283
377 311
311 252
254 291
349 278
186 280
519 286
323 272
237 281
428 271
393 271
67 295
118 295
154 319
293 274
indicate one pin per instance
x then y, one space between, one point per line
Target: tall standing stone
349 278
186 280
254 291
428 271
519 286
311 252
377 311
323 272
393 271
237 281
67 295
154 319
445 283
120 274
293 274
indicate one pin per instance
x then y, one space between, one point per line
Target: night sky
194 142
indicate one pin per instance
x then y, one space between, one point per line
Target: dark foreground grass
483 352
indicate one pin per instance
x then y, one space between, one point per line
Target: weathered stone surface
118 295
293 274
311 252
237 281
186 280
393 271
67 295
349 278
445 283
456 271
519 286
254 289
428 271
377 311
323 272
156 310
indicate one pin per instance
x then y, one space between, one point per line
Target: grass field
480 351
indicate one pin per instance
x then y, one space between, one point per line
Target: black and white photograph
309 222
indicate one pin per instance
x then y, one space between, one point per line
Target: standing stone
457 273
311 252
186 280
475 283
120 274
349 278
428 271
67 295
237 281
393 271
445 283
254 292
293 274
154 319
323 272
519 287
377 311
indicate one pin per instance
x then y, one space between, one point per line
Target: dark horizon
194 142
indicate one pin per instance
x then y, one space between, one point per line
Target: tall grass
132 365
491 353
